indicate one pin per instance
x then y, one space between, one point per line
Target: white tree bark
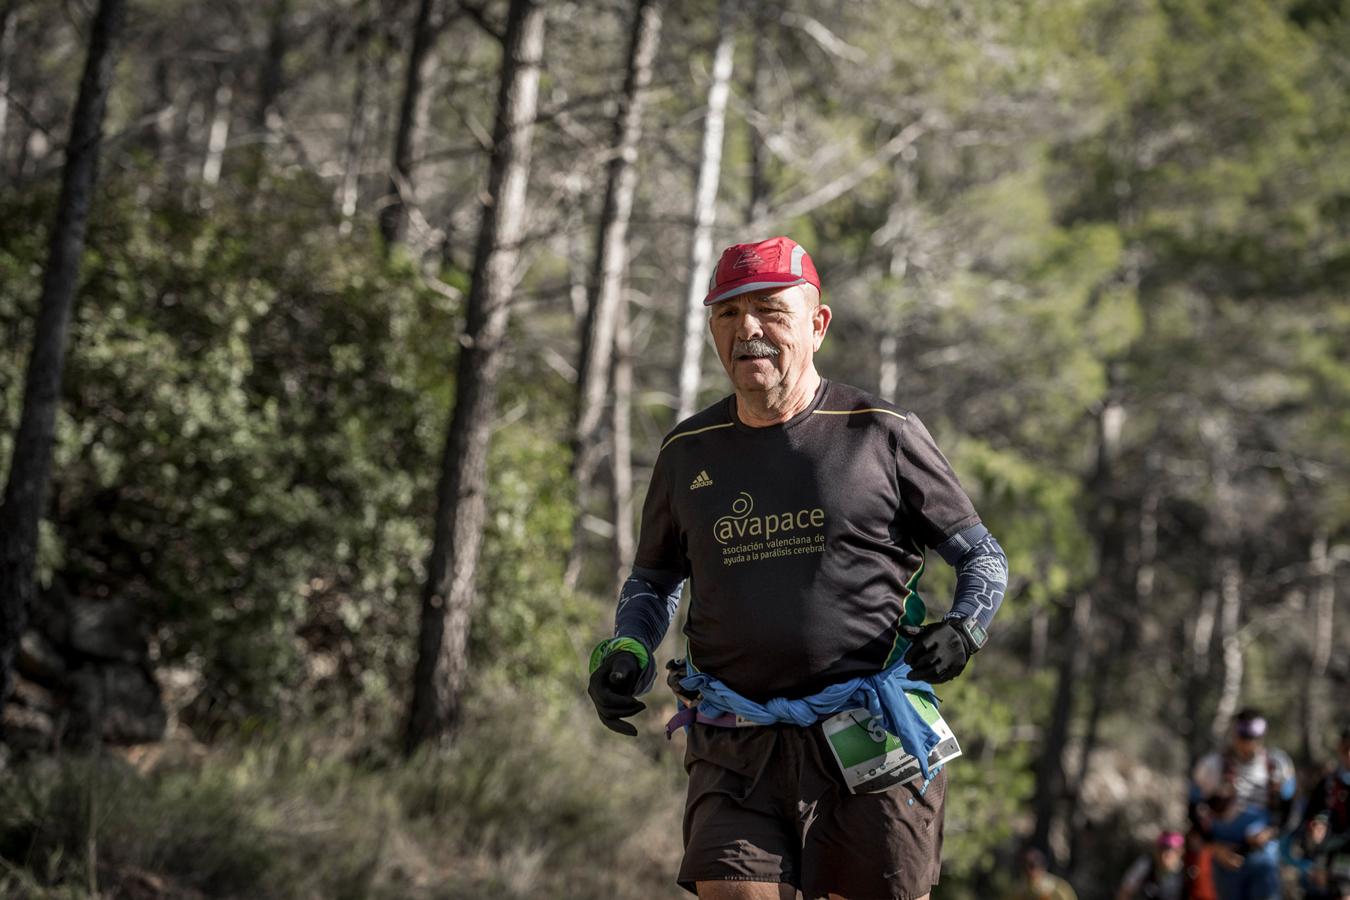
1321 623
1228 570
757 206
705 213
611 260
349 189
8 28
888 375
218 136
621 450
576 266
1202 632
1231 656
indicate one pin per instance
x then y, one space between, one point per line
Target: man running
800 510
1240 797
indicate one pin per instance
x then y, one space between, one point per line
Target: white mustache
754 347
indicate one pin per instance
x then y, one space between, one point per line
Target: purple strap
690 714
682 719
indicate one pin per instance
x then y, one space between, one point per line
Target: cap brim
762 282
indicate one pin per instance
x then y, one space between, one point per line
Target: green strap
618 645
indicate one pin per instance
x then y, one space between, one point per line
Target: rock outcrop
83 676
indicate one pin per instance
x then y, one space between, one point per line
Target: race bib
871 758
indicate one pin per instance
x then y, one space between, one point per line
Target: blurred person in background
1321 843
1156 875
1240 798
1036 881
1302 850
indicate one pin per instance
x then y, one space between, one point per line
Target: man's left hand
937 652
1262 837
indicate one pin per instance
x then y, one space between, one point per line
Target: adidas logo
701 481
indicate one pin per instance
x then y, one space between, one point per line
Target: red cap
1170 840
778 262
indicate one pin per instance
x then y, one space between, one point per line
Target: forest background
383 311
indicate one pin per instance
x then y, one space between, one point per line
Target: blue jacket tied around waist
882 695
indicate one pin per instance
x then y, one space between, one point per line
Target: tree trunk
1110 638
1051 785
30 467
184 138
263 118
8 30
1320 623
705 212
394 215
461 504
1039 639
218 135
576 260
1200 650
1225 517
1230 643
621 448
1103 676
888 368
757 206
898 231
611 258
273 71
1050 768
349 189
157 134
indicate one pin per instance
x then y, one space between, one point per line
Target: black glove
937 652
613 684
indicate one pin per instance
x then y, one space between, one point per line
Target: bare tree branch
828 41
849 180
477 13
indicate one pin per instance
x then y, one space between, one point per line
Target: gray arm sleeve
981 573
647 604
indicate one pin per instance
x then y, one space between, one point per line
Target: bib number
871 759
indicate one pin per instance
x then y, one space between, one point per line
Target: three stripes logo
701 481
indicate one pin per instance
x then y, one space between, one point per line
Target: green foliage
990 784
196 827
245 436
521 808
527 629
1035 511
251 420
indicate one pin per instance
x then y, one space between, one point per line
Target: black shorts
769 804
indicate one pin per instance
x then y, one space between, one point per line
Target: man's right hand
613 684
1226 856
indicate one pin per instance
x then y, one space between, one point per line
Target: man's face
1317 830
767 339
1033 870
1245 747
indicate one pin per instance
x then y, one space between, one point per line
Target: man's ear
820 323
